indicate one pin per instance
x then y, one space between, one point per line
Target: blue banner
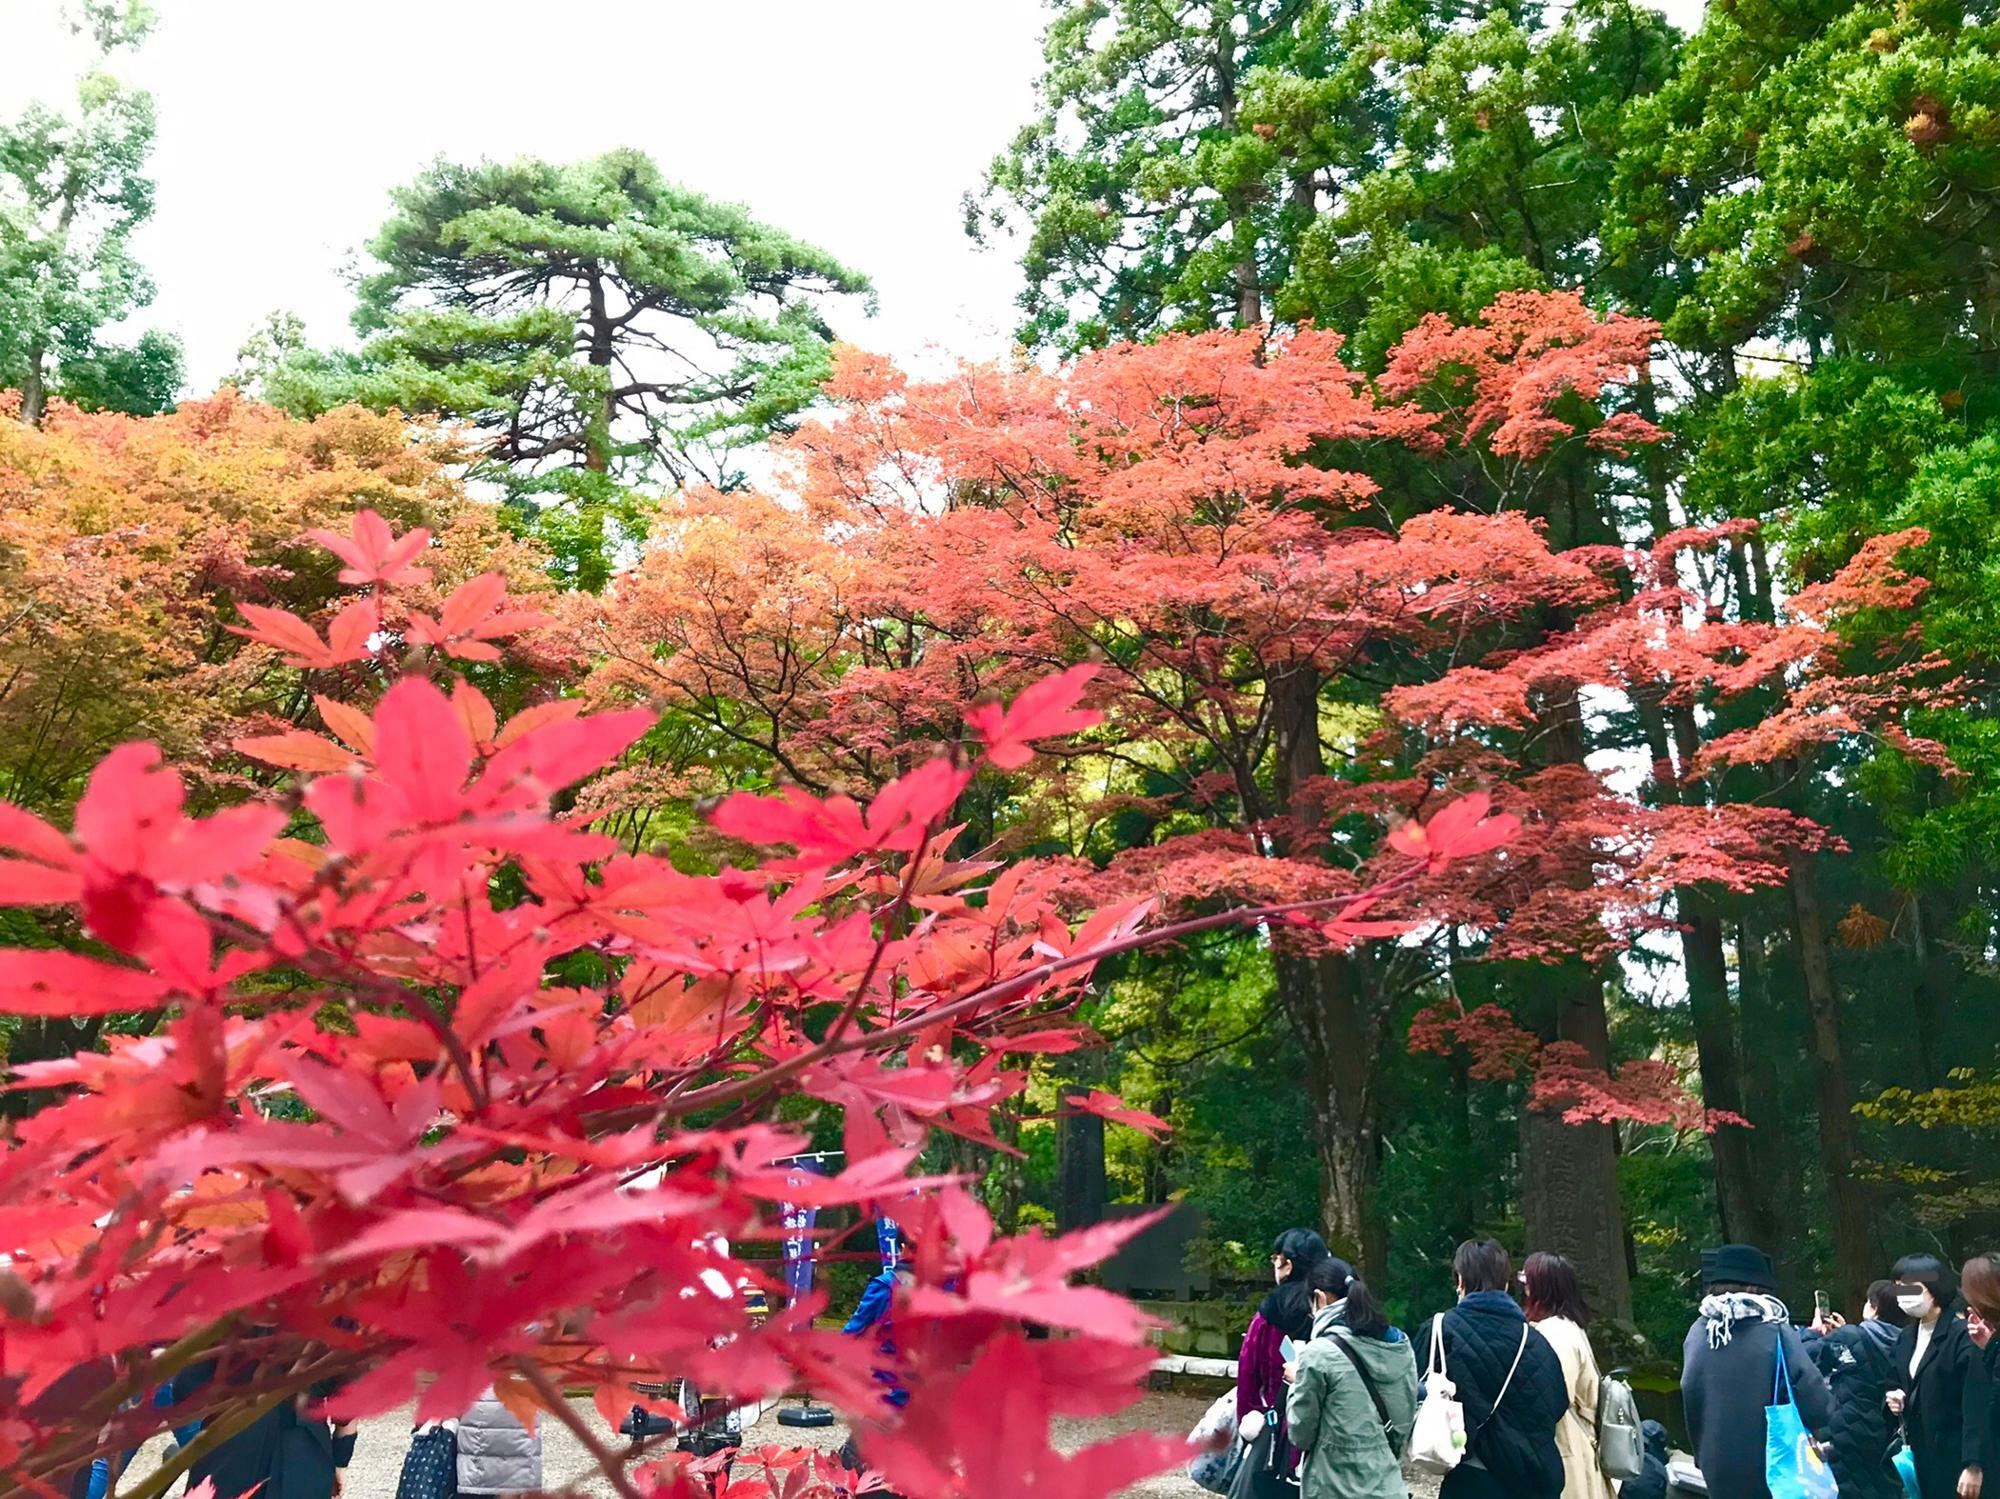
885 1241
798 1225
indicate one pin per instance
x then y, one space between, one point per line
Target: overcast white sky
855 124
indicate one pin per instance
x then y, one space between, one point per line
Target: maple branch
913 865
1005 989
609 1463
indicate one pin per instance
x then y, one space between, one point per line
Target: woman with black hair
1555 1305
1508 1379
1939 1383
1286 1313
1858 1360
1354 1392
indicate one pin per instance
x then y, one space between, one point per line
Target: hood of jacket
1386 1358
1878 1332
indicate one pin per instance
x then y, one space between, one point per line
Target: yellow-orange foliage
126 543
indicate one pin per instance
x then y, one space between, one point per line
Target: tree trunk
45 1038
1242 241
1853 1235
1007 1210
1336 1012
1569 1172
1340 1025
1742 1193
1779 1028
1081 1188
34 388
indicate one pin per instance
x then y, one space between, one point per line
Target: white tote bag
1437 1437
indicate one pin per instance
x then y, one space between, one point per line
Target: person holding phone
1285 1315
1941 1386
1979 1284
1858 1360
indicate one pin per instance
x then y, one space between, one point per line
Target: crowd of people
1898 1403
1329 1393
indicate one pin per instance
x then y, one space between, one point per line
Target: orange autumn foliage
128 544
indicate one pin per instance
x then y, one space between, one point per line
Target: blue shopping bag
1794 1467
1906 1469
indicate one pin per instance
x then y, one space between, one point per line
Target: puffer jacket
1333 1420
1858 1364
496 1453
1517 1442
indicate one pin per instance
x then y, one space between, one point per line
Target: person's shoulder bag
1265 1471
1437 1436
1794 1466
430 1468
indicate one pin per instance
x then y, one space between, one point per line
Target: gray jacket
496 1453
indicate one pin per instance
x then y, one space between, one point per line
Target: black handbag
1266 1469
430 1467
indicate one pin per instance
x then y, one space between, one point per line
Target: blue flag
798 1224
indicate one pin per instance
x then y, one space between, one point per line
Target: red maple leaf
374 554
1045 710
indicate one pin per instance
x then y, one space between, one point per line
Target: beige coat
1576 1437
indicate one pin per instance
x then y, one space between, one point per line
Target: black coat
1858 1362
292 1454
1516 1443
1650 1482
1725 1391
1945 1411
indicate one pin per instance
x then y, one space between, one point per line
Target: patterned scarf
1722 1313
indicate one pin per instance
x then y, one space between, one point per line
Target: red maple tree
369 1138
1202 519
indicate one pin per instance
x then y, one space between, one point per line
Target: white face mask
1917 1305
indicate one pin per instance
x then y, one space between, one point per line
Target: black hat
1738 1264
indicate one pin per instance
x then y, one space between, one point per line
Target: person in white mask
1941 1390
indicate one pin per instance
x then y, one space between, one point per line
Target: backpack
1621 1445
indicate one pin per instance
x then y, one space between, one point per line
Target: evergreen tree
601 327
73 189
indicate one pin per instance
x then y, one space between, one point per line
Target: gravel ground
567 1466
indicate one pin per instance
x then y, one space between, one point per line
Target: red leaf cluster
440 1088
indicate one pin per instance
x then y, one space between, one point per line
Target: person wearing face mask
1979 1284
1940 1385
1354 1392
1858 1360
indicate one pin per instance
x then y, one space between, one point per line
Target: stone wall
1206 1329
